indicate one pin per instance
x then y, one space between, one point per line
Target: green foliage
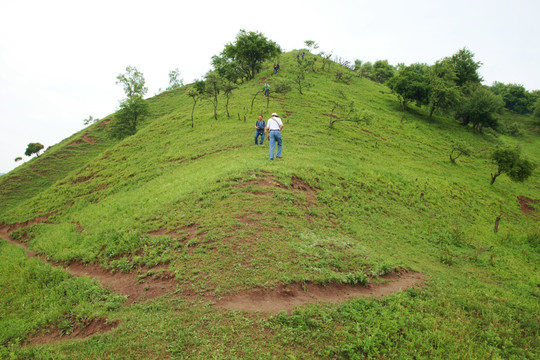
282 85
459 148
312 45
382 71
248 53
33 148
479 107
131 112
443 93
536 112
465 67
175 82
133 82
516 97
509 162
410 84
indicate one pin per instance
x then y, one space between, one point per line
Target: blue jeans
257 133
275 136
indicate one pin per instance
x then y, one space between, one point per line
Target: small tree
508 161
174 81
131 111
312 45
536 112
195 93
249 52
459 148
133 108
132 81
227 90
18 158
90 120
33 148
213 88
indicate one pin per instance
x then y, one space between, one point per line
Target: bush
282 86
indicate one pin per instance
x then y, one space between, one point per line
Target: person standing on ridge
273 129
259 129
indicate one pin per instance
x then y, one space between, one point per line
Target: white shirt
274 123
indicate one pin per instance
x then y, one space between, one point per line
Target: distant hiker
275 69
259 129
303 53
298 56
273 129
266 89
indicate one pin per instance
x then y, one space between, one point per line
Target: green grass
381 195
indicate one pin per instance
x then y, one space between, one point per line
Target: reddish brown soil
287 297
524 204
80 331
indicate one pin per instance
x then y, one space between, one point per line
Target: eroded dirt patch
79 331
158 281
524 203
287 297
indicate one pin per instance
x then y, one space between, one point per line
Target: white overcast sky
59 59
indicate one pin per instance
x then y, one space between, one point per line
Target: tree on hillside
132 81
410 84
133 108
367 70
465 68
33 148
326 60
214 85
443 93
299 77
312 45
479 107
195 92
382 71
508 161
228 88
18 158
458 149
174 80
536 111
516 97
128 117
249 52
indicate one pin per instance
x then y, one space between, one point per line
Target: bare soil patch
524 203
79 331
287 297
158 281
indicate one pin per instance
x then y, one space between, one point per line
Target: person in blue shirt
259 129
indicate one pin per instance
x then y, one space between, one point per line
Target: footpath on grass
141 286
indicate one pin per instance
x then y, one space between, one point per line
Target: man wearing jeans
273 129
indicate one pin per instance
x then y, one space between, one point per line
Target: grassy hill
346 205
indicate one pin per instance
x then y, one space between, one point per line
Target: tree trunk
252 100
496 228
227 107
192 110
494 176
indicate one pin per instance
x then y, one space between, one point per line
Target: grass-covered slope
345 202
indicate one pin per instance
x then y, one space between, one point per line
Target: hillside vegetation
347 204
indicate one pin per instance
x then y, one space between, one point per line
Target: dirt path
287 297
282 298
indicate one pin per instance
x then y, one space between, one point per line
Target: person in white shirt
273 129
